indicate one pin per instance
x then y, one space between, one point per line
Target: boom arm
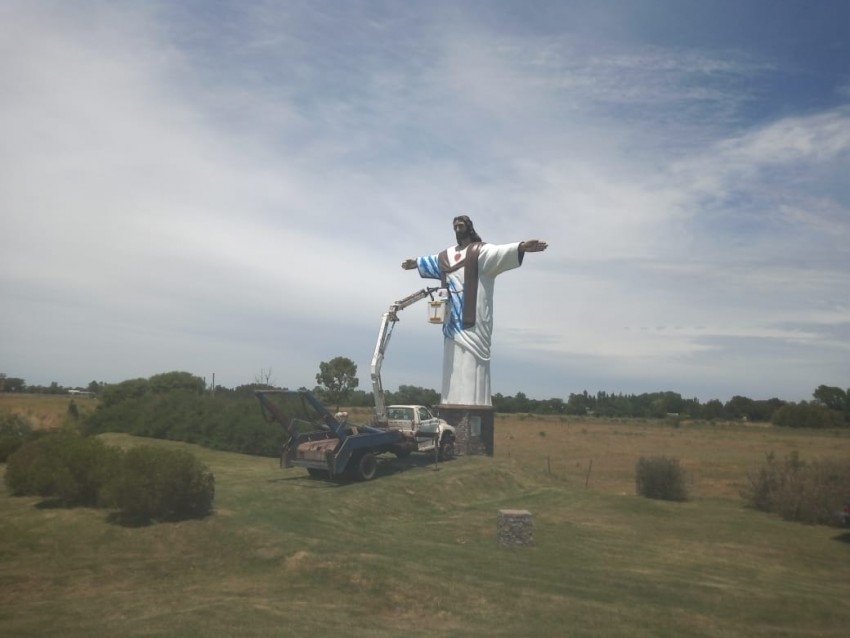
388 321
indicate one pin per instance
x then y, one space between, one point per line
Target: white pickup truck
423 432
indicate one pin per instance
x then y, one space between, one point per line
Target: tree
264 378
738 407
502 403
580 404
522 403
552 406
763 410
713 409
831 397
415 395
11 384
808 415
171 381
337 378
124 391
691 407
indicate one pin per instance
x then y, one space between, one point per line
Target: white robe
466 351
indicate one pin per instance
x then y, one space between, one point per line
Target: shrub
165 485
230 423
799 491
70 468
144 483
124 391
661 478
15 430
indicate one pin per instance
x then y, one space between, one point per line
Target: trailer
323 443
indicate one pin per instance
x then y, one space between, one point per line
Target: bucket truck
423 432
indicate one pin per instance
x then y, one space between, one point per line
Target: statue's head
464 230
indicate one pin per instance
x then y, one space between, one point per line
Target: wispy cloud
234 186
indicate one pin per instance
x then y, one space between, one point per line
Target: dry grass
413 552
715 457
45 411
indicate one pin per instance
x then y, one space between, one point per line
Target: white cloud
190 193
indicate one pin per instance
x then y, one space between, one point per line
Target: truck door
429 426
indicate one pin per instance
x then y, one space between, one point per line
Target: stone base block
474 427
514 528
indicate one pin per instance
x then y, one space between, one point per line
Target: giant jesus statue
468 270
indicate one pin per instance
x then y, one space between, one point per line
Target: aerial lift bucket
437 310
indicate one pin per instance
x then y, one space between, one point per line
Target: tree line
829 405
17 384
337 385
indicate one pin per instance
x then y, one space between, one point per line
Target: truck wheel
447 450
366 467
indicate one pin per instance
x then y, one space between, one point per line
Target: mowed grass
414 553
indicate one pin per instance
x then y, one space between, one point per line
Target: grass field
45 411
413 552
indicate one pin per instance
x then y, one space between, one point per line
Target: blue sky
227 187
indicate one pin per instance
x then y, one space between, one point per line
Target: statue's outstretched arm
533 246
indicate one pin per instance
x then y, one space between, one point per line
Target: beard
462 236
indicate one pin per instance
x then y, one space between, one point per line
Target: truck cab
423 431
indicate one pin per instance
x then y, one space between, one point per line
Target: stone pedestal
474 427
514 528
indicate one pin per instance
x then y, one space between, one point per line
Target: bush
661 478
64 466
15 430
124 391
165 485
799 491
232 423
144 483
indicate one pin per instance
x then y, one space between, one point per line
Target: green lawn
413 553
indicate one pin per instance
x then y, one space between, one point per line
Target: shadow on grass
56 503
53 504
842 538
308 481
119 518
122 519
412 462
387 466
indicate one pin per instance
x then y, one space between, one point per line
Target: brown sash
470 279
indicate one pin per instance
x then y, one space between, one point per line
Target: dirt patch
298 561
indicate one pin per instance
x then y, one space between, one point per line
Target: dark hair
465 219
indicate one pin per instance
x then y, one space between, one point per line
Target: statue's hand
533 246
408 264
